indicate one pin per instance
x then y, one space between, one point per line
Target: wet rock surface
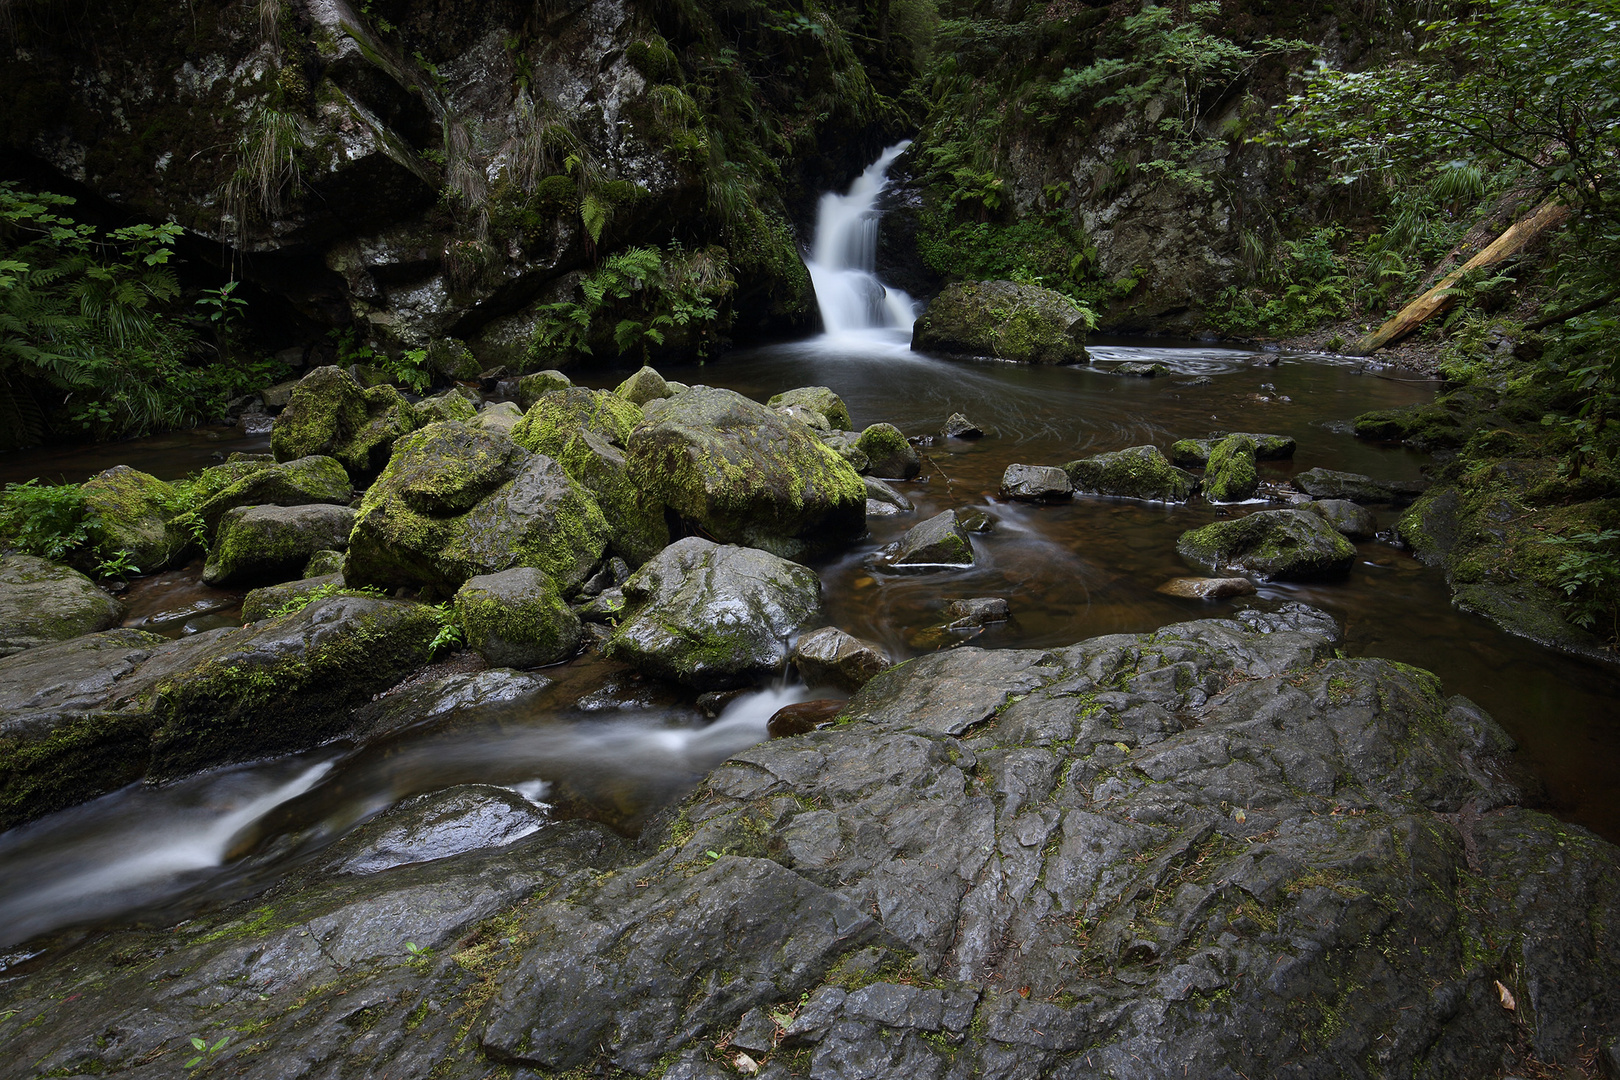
517 618
272 543
830 657
1196 588
1137 472
938 542
1036 483
1006 320
1333 484
1220 842
713 616
1286 545
42 602
1351 519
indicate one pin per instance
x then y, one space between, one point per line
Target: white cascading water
843 258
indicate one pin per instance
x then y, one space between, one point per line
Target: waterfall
843 257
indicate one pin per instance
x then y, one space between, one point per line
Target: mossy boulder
714 616
742 473
455 502
819 400
327 561
530 388
259 544
1231 475
584 430
314 479
1137 472
269 600
1281 545
331 414
940 542
450 405
41 602
129 511
557 416
644 386
498 416
1423 427
517 618
1194 453
1005 320
888 453
452 360
843 443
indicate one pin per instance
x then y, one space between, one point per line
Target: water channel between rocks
1071 571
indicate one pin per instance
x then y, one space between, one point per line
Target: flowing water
1070 571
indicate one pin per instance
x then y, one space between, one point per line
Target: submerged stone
1285 545
1203 588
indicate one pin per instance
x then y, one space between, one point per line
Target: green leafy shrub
47 520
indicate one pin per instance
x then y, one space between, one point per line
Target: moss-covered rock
332 414
843 443
1006 320
1036 483
1282 545
939 542
455 502
129 511
1334 484
713 616
1231 476
644 386
742 473
450 405
584 431
517 618
270 600
322 563
530 388
1137 472
41 602
819 400
1194 453
500 417
888 453
1351 519
452 360
1423 427
273 543
314 479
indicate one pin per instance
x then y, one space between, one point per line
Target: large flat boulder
261 544
1334 484
1005 320
456 502
714 616
745 475
42 602
1281 545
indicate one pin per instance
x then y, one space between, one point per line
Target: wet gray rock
746 475
126 510
819 400
1036 483
431 702
938 542
843 443
265 602
41 602
91 714
272 543
1003 319
314 479
471 817
830 657
1332 484
958 426
324 562
1203 588
888 453
517 618
1285 545
882 500
1220 842
1351 519
1137 472
713 616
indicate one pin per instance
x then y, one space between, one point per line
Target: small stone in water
1196 588
960 427
976 612
975 521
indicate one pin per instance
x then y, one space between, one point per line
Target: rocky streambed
1221 845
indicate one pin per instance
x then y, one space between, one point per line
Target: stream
1070 571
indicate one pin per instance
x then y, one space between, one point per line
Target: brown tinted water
1070 571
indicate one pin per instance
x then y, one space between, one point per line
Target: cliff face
427 170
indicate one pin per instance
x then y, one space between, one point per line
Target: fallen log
1515 239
